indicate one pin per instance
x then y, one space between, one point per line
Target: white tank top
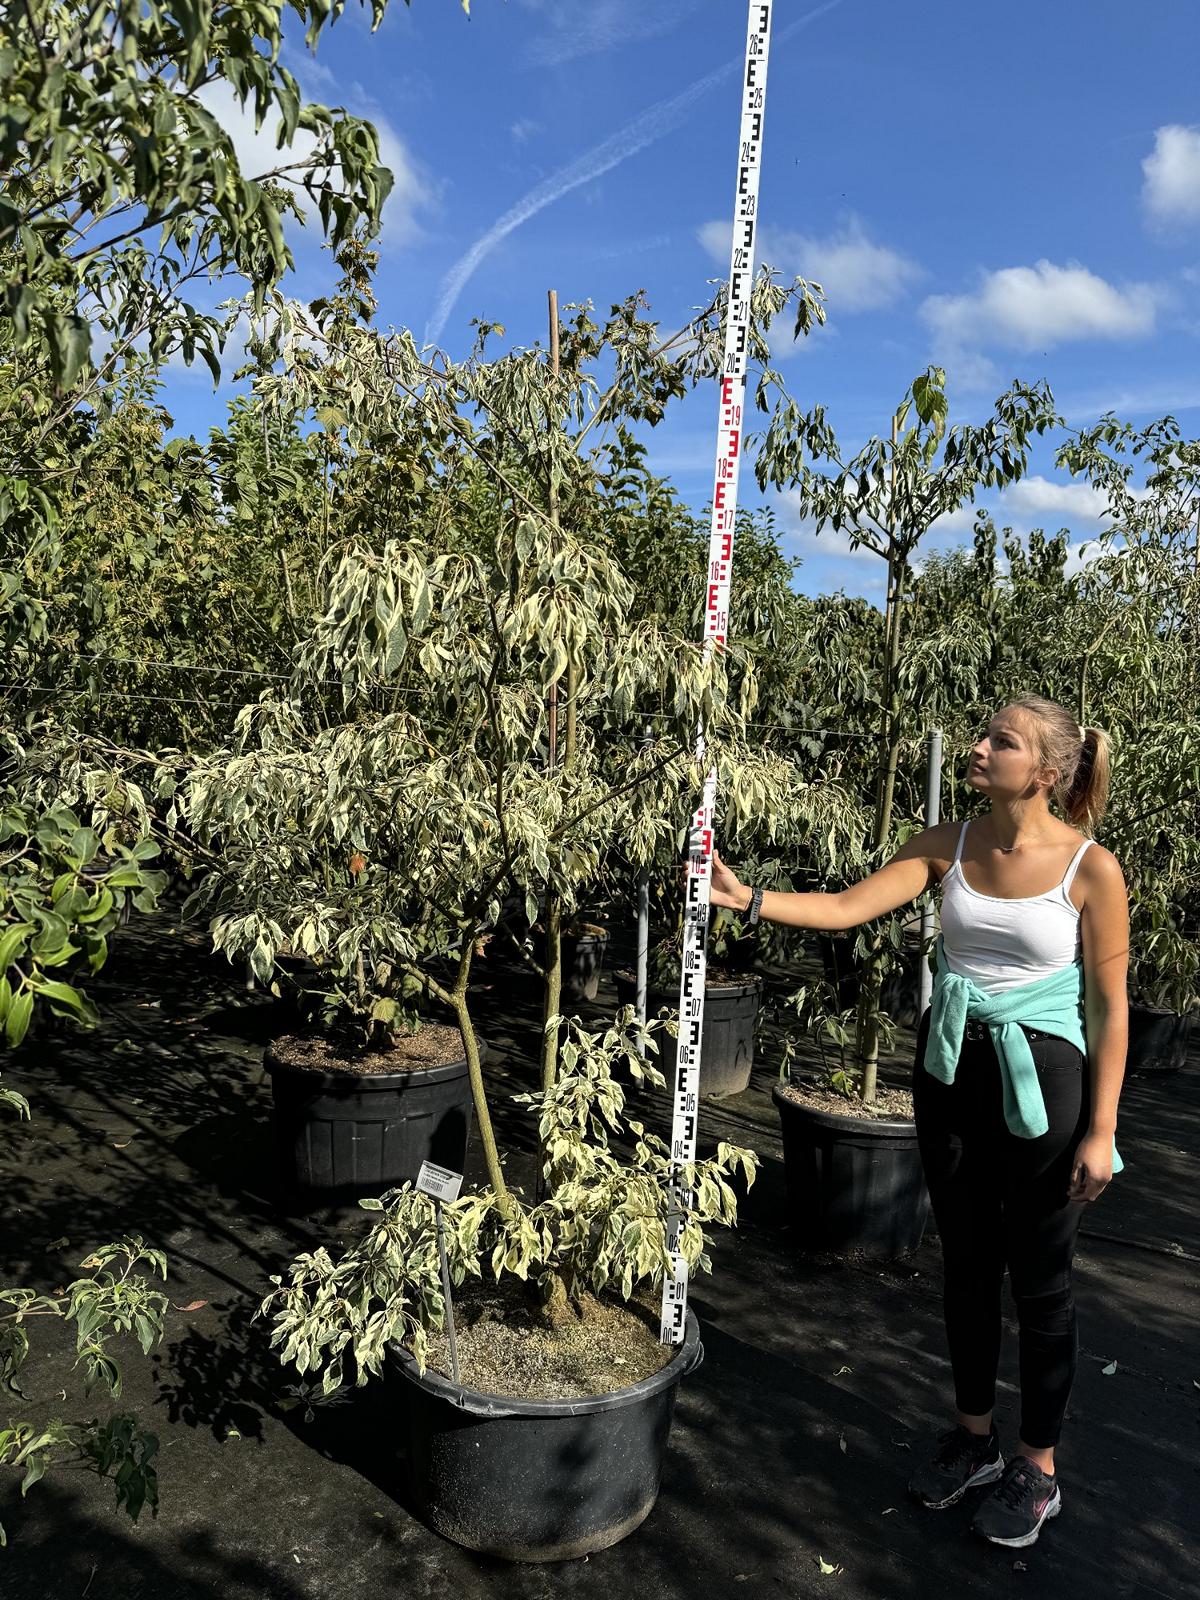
1000 944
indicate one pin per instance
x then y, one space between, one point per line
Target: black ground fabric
792 1445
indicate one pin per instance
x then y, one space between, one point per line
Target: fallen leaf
901 1445
58 1244
295 1558
193 1305
826 1566
123 1146
1109 1369
840 1370
377 1514
1019 1566
890 1509
842 1443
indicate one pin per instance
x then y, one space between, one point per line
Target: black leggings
1001 1201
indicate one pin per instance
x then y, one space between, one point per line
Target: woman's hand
726 890
1092 1170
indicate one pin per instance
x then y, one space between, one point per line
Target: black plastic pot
346 1134
727 1042
1158 1040
536 1480
854 1184
582 963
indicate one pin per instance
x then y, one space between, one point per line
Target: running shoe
1016 1508
961 1461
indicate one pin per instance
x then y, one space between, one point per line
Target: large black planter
727 1042
345 1135
536 1480
582 963
854 1184
1158 1040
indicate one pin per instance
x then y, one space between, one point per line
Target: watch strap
755 907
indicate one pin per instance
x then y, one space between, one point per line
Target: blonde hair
1080 756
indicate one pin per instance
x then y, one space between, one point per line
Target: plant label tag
438 1182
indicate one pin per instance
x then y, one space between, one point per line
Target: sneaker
1016 1508
962 1460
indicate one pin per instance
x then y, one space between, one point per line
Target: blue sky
1012 192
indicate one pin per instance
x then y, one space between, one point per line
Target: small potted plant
541 1437
370 1082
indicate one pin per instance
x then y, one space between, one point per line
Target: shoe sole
986 1474
1052 1510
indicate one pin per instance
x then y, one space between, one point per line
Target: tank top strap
962 834
1074 867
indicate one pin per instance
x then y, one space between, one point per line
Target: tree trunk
867 1022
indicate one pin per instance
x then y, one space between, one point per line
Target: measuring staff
716 623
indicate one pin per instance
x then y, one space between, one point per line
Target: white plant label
716 624
438 1182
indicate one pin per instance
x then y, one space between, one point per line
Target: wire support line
114 693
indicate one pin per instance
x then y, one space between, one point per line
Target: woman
1018 1070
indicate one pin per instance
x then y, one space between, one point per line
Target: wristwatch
755 906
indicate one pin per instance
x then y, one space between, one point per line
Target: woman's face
1004 761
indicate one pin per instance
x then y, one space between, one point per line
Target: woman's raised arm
908 874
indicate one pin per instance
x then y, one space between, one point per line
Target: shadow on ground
791 1445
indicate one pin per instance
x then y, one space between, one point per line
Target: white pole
933 815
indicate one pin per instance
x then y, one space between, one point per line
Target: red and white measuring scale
716 622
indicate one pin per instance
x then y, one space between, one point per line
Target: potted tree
557 1368
860 1183
431 761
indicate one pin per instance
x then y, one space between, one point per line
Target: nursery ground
791 1445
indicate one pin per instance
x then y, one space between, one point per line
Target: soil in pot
433 1045
888 1102
507 1346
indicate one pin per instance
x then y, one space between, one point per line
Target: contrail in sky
618 147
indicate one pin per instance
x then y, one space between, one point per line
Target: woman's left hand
1091 1173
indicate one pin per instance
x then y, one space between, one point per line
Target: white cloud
524 129
1082 555
257 155
1036 307
856 273
1171 191
1036 496
955 522
800 537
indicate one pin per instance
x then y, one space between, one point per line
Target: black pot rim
687 1357
366 1080
1161 1011
753 981
881 1127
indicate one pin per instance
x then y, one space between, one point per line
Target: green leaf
16 1024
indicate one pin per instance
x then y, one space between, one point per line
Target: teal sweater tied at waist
1051 1005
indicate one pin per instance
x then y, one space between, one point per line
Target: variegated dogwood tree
378 814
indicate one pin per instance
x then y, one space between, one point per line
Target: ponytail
1086 798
